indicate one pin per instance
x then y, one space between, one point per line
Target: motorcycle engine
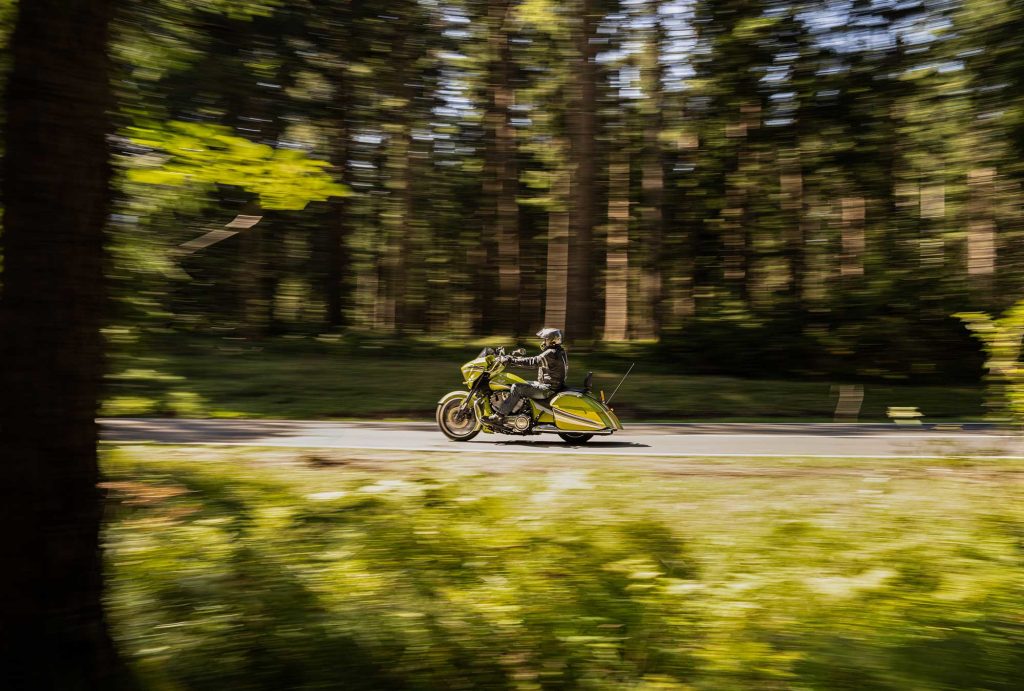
520 423
500 396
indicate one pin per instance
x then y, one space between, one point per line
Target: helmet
549 337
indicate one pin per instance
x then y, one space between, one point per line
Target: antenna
631 365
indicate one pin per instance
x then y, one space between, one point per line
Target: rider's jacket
552 366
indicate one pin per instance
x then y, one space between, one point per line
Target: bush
1001 339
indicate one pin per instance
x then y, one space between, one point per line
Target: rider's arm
534 361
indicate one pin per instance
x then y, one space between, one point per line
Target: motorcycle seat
587 385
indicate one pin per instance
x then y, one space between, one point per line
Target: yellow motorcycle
576 415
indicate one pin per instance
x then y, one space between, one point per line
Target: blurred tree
56 198
501 313
652 197
806 182
582 126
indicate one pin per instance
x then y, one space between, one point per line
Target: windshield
485 352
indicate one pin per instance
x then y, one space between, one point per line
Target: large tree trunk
558 255
582 145
852 216
55 195
652 211
336 257
337 260
981 235
616 292
502 314
794 217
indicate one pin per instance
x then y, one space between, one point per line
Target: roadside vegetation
318 378
269 569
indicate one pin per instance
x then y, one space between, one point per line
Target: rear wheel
457 425
575 437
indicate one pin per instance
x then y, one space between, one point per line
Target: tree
652 196
502 176
582 126
56 193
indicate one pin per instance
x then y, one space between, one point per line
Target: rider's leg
535 390
510 402
532 389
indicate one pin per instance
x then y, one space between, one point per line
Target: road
684 440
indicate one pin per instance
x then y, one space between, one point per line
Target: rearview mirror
519 352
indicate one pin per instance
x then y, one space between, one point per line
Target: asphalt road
696 439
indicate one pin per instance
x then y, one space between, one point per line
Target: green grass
270 569
315 379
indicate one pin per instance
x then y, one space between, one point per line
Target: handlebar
501 358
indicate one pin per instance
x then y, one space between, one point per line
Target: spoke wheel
456 425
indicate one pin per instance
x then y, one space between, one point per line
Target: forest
790 188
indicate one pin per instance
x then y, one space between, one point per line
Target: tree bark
56 196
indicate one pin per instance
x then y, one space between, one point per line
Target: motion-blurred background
758 188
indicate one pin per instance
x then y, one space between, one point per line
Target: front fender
460 394
450 395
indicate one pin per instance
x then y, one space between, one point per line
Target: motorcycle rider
552 367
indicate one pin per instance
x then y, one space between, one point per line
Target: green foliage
1002 340
186 154
316 379
795 200
234 9
257 569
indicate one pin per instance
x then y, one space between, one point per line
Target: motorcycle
575 415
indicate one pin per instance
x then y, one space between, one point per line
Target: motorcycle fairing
504 381
473 369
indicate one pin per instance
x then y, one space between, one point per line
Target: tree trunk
737 217
981 234
652 210
583 130
793 215
851 259
502 179
336 255
337 266
616 293
394 225
555 297
56 198
251 275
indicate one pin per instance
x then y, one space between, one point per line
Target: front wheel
575 437
456 425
